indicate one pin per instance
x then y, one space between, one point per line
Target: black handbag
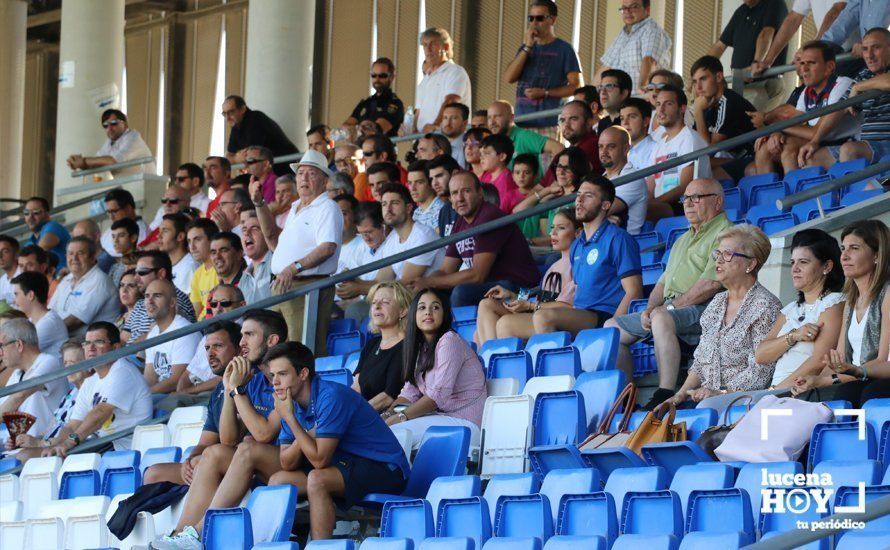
711 438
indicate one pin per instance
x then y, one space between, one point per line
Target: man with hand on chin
334 445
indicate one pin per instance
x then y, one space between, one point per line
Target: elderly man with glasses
640 47
123 144
86 294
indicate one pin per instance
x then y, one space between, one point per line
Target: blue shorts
879 149
686 319
363 476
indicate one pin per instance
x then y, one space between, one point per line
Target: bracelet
526 49
260 204
864 373
403 417
789 339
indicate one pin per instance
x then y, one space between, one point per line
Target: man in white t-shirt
666 187
86 294
119 204
18 339
31 290
371 232
123 144
443 81
172 240
113 399
636 115
405 234
9 252
630 198
165 363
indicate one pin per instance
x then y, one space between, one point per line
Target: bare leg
856 150
789 153
322 485
168 471
487 319
667 349
250 457
211 468
764 160
516 324
625 358
297 479
572 320
821 158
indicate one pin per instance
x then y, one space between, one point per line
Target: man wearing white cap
307 247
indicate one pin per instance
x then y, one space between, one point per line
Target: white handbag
776 429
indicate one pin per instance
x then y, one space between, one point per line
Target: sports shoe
188 539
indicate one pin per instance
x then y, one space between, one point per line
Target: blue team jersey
259 390
599 264
338 411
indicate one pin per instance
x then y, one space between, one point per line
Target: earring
748 270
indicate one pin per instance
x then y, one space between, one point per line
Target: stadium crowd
223 239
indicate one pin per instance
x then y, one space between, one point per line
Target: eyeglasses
4 344
564 168
220 303
632 7
695 199
169 201
112 211
181 178
609 87
655 86
379 75
342 163
143 271
368 153
727 255
538 18
95 343
108 123
27 213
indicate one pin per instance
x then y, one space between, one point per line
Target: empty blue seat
767 193
649 239
379 543
159 455
598 348
513 543
709 541
643 354
850 473
516 364
674 455
775 523
854 197
732 200
877 411
629 480
442 452
499 345
558 361
559 483
271 511
344 343
609 460
351 362
750 479
849 497
636 418
559 425
410 519
365 328
119 472
523 516
227 528
708 476
508 484
568 542
592 514
9 464
86 483
448 543
340 376
748 182
450 487
465 329
757 213
548 340
856 540
339 544
646 542
697 421
329 544
465 517
329 363
652 513
771 225
840 441
839 169
794 176
599 389
651 273
726 510
342 325
463 313
665 226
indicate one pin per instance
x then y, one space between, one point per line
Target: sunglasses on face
652 87
379 75
220 303
143 271
169 201
181 178
108 123
538 18
252 160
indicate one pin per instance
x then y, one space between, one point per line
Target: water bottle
409 120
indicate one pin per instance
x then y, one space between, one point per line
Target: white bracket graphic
764 420
859 508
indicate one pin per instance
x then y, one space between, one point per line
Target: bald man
629 207
500 121
165 363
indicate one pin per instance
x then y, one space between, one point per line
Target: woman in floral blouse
735 322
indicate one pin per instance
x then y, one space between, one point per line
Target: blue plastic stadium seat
508 484
736 412
643 354
794 176
342 325
748 182
442 452
651 273
351 362
849 496
344 343
559 483
523 516
272 510
567 542
559 424
854 197
647 240
708 476
378 543
839 169
732 199
451 487
227 528
856 540
549 340
341 544
329 363
775 523
513 543
465 329
749 478
612 459
767 193
672 456
330 544
726 510
9 464
637 306
365 328
159 455
646 542
771 225
410 519
599 389
464 517
116 481
592 514
697 421
840 441
877 412
558 361
652 513
448 543
757 213
709 541
340 376
828 199
598 348
499 345
463 313
665 226
86 483
636 418
850 472
516 364
628 480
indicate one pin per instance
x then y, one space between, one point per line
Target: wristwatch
240 390
74 437
670 307
835 379
299 267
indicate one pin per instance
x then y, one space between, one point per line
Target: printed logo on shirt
162 365
592 256
667 179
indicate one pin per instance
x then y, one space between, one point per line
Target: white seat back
189 415
86 532
80 463
44 534
506 435
9 487
55 509
42 465
499 387
187 434
542 384
10 510
37 489
150 437
12 535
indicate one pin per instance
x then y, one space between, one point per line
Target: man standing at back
444 81
384 107
251 128
640 47
545 69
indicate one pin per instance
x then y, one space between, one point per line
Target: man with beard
455 117
151 265
630 198
165 363
47 234
172 240
383 107
227 257
500 121
575 124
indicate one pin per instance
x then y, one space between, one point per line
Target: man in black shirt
750 32
255 128
384 107
719 114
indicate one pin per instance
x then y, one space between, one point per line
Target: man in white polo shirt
307 247
443 82
86 294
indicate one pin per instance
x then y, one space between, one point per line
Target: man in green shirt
681 294
500 121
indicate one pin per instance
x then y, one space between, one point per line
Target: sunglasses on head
220 303
108 123
653 86
538 18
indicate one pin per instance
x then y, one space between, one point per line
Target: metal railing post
310 320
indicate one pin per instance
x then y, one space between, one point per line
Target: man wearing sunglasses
123 144
251 128
640 47
153 265
545 69
383 107
174 201
47 234
259 165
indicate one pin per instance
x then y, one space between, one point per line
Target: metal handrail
67 206
818 190
542 208
778 70
112 167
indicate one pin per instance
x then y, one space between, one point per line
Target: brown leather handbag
711 438
602 439
657 427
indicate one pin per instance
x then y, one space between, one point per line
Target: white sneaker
188 539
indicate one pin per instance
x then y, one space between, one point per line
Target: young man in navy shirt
333 443
605 265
